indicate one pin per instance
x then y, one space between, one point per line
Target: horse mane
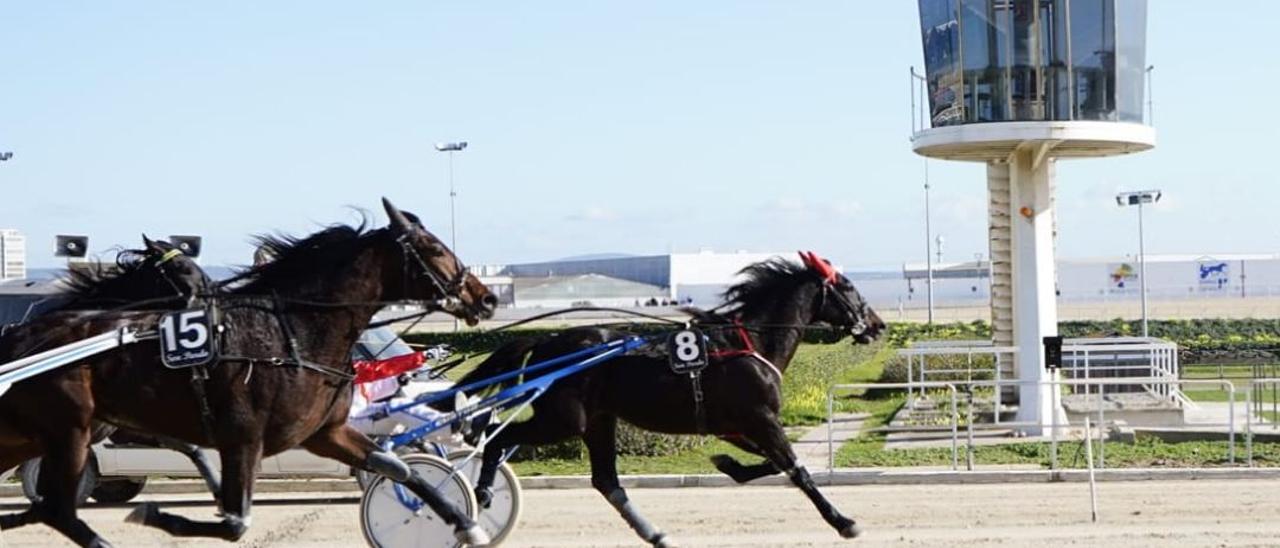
297 259
763 281
102 282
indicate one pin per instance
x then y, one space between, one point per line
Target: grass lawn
816 367
692 461
1147 452
1239 375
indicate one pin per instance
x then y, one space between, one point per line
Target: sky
593 127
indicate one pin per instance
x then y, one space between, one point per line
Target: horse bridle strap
448 289
856 329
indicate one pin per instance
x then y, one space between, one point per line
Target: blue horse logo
1208 270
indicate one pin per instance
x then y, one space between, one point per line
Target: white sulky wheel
503 514
387 523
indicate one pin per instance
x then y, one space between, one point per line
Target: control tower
1020 85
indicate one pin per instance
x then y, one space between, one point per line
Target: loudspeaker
74 247
188 244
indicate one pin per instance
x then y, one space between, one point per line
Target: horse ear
805 259
820 266
150 244
399 222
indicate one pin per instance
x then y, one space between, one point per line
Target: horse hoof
851 531
663 541
484 497
142 513
472 536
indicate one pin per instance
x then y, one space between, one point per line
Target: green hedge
1193 335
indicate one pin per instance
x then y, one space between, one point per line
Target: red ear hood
818 265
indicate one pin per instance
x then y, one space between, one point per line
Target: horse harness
748 350
449 289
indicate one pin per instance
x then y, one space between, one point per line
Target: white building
700 276
13 255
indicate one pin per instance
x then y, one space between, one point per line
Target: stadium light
453 225
1139 198
451 147
4 156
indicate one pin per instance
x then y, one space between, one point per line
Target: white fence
1120 357
1057 426
1134 358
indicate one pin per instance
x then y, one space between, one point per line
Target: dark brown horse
740 390
281 380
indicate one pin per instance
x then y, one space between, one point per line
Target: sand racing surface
1134 514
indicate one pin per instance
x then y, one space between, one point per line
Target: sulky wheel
503 513
392 517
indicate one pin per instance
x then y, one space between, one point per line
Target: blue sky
637 127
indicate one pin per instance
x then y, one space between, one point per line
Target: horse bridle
159 265
859 312
449 290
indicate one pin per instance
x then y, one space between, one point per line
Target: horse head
175 267
437 271
845 308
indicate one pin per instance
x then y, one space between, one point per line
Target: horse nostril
489 301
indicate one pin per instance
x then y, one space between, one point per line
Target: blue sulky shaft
522 392
484 383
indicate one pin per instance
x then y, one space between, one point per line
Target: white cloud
593 213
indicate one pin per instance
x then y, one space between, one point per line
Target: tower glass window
1034 60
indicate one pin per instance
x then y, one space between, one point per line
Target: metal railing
918 370
1124 357
1256 386
1083 358
1055 425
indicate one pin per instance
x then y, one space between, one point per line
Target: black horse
281 379
157 277
739 395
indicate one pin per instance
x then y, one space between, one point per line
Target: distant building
13 255
584 290
679 277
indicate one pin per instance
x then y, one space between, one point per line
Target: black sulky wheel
118 491
394 518
29 473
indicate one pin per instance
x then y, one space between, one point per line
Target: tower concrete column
1034 303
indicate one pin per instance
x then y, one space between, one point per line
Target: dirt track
1190 513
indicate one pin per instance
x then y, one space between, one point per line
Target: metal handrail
1053 427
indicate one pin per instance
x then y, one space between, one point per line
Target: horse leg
556 420
769 436
602 447
13 454
201 462
743 473
240 469
60 472
348 446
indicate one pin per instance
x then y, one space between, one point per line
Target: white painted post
1088 456
1035 309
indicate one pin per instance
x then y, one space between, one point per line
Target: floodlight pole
1142 269
928 249
1139 199
453 194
